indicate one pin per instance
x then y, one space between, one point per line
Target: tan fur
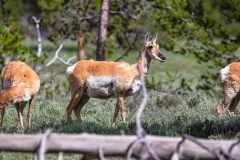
119 77
19 86
231 87
87 68
11 95
234 73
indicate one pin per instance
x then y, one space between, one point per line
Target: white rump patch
70 69
101 86
27 96
38 84
224 73
136 85
6 83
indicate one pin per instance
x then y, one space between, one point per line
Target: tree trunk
4 16
102 33
80 37
80 43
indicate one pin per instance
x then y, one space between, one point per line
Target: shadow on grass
222 128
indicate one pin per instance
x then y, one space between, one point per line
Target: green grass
164 115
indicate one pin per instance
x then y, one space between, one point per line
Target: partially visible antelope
230 81
19 86
103 80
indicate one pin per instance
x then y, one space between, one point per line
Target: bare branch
39 39
124 12
60 156
132 146
218 155
89 17
232 146
42 147
87 6
176 155
101 154
68 62
56 57
140 131
151 151
39 52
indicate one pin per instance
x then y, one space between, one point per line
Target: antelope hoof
231 114
113 125
69 119
29 126
79 120
124 117
22 126
218 111
218 115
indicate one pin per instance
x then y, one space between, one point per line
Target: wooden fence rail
118 145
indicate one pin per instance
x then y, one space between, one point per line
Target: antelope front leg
219 108
115 115
20 108
230 92
233 105
119 106
122 108
30 111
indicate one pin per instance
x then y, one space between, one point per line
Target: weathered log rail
164 147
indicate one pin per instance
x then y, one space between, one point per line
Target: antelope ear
155 39
146 38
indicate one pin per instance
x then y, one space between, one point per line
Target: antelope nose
164 58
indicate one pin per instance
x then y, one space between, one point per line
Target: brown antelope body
103 80
230 81
19 86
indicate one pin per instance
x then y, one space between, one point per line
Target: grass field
166 114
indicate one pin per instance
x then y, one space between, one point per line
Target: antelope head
153 50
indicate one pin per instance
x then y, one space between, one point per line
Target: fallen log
117 145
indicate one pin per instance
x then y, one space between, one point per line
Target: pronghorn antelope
103 80
19 86
230 81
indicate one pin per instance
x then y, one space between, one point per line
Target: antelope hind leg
80 105
2 115
74 101
30 110
233 105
